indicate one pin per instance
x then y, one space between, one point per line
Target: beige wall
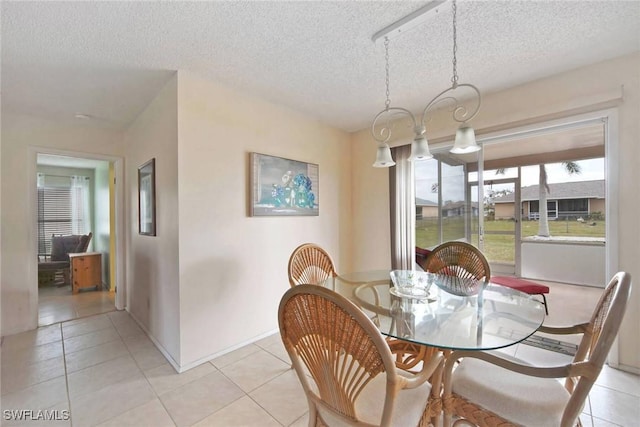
153 281
429 211
597 205
22 138
504 210
581 88
232 266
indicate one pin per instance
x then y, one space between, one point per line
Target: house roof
448 205
563 190
424 202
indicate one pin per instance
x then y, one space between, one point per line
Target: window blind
56 214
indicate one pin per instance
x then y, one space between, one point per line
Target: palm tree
543 188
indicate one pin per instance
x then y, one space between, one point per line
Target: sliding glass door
444 210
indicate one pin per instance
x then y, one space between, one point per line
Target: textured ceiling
108 59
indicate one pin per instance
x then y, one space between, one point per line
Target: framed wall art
147 198
281 187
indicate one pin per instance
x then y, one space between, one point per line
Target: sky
453 180
590 170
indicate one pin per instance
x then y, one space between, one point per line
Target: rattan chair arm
427 371
564 330
533 371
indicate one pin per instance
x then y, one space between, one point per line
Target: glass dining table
494 318
441 319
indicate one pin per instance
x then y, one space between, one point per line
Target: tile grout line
66 375
153 390
265 409
590 411
245 393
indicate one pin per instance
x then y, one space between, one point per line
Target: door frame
517 215
118 232
609 118
606 113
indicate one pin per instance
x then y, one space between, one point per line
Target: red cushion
421 255
521 285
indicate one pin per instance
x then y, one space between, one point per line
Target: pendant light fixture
381 128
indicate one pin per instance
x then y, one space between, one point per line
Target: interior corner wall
233 267
102 219
580 88
370 187
152 261
22 136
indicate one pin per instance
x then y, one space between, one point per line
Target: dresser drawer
86 271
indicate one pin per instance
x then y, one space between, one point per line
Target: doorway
73 209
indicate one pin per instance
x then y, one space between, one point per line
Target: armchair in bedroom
57 268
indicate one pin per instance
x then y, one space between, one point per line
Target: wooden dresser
86 271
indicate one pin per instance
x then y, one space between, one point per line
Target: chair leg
544 302
66 273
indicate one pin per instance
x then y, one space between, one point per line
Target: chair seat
522 285
524 400
407 410
52 265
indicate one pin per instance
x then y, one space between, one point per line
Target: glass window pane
427 212
453 202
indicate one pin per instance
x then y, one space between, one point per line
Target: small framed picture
147 198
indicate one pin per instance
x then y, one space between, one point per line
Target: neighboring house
451 209
428 209
566 199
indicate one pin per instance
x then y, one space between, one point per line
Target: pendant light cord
454 78
387 103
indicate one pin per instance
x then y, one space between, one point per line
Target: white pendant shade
383 157
465 140
420 149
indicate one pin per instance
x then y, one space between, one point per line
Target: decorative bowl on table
410 283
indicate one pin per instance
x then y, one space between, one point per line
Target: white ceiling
108 59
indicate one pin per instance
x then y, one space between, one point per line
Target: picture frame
147 198
283 187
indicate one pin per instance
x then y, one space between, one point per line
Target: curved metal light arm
384 134
460 112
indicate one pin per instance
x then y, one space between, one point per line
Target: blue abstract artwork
283 187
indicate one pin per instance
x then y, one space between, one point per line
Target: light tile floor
58 304
106 372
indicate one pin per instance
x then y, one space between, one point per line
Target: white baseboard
183 368
155 342
228 350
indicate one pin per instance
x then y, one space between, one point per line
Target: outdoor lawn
499 248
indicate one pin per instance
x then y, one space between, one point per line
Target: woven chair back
459 260
335 345
310 264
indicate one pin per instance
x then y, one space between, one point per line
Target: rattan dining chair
459 260
345 366
450 260
310 264
488 390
